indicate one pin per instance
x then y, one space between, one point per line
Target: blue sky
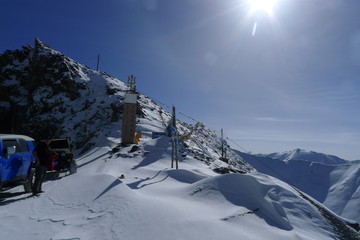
292 83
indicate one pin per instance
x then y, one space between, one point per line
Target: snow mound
269 199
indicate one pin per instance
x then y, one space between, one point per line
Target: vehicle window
23 146
10 143
59 144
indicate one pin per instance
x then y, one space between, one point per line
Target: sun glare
262 5
255 12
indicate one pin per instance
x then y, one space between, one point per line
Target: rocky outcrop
41 89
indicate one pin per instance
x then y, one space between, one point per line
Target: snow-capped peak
304 155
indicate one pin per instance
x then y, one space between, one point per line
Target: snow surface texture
335 184
153 201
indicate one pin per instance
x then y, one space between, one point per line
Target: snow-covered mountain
45 93
301 154
337 186
121 192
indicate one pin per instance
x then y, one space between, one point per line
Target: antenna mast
97 64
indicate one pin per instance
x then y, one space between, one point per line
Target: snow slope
153 201
336 186
344 193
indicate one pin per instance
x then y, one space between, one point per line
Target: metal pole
176 151
174 156
172 151
176 139
222 144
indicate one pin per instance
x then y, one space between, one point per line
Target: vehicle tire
29 181
73 167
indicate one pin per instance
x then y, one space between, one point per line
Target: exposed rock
41 89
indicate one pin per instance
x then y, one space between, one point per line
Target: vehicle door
12 163
25 155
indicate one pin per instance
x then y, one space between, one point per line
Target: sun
260 11
261 5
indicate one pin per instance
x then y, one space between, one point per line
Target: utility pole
223 149
97 64
222 144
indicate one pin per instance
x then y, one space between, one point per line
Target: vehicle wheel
29 181
73 167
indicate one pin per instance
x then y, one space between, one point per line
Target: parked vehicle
16 161
63 158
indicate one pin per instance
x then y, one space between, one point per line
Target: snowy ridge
301 154
336 186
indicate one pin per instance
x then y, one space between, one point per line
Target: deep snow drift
153 201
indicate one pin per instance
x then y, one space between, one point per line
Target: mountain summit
45 93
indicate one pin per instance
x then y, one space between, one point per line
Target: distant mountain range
301 154
332 181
